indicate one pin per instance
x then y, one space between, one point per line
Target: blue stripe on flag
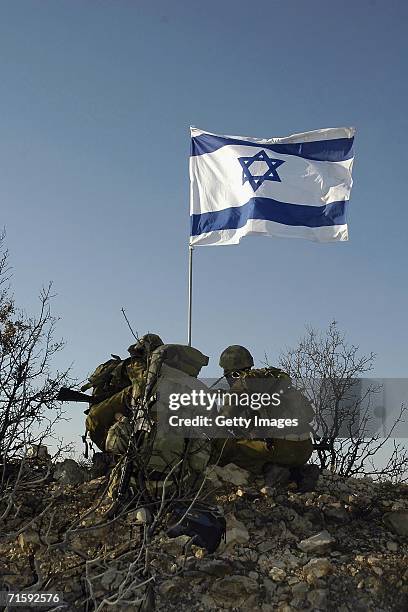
335 149
269 210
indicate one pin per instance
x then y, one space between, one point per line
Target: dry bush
28 388
327 369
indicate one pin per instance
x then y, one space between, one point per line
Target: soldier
153 453
118 381
280 459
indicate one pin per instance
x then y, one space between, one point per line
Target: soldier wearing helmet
235 359
279 459
136 364
145 345
118 381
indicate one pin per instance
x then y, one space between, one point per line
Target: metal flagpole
190 290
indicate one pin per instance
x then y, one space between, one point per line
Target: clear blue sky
96 101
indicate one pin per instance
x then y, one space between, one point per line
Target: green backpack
112 379
108 377
293 403
179 356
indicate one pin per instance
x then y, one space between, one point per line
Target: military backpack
108 377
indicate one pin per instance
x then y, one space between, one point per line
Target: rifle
65 394
140 428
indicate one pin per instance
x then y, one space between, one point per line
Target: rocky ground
343 547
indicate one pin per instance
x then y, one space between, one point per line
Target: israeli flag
293 187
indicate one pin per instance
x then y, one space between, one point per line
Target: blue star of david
254 180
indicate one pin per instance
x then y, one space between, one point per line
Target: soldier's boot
275 475
306 477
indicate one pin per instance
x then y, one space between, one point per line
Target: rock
296 522
212 477
336 513
81 542
246 515
270 588
371 560
266 562
392 546
398 505
69 473
397 521
309 495
233 591
37 451
248 554
292 560
277 574
318 599
111 579
386 503
168 588
236 533
199 552
326 499
319 543
266 546
230 473
140 516
28 539
286 534
249 493
216 567
317 568
175 546
300 589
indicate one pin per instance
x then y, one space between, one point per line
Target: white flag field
293 187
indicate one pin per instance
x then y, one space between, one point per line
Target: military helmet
236 357
146 344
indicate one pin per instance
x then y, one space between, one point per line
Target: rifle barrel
66 394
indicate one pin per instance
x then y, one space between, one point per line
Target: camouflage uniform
156 456
102 416
255 455
124 381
